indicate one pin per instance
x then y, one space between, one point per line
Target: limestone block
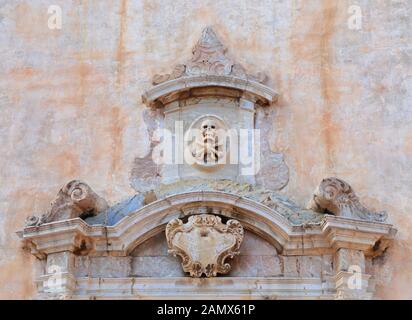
275 266
270 266
60 262
111 267
345 259
291 266
327 265
156 266
310 266
82 266
274 172
245 266
254 245
156 246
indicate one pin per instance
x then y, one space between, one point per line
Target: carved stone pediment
209 58
204 243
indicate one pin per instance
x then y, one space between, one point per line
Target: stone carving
207 148
75 199
178 72
209 58
337 197
204 243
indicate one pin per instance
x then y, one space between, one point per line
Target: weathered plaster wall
70 103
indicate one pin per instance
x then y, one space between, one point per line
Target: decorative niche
211 88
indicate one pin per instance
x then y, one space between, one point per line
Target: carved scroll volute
75 199
337 197
204 243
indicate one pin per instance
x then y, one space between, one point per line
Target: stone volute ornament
204 243
75 199
335 196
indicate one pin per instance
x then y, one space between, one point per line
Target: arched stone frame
74 236
173 90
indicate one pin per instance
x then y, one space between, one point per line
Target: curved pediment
175 89
211 69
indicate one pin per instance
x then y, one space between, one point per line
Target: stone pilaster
350 279
58 281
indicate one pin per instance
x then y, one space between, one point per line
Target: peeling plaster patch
117 212
274 172
145 173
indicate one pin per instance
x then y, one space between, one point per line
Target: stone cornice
214 288
171 90
332 233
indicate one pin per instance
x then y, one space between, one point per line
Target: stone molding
204 243
175 89
62 235
337 197
75 235
195 288
269 198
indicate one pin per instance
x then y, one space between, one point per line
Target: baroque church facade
230 179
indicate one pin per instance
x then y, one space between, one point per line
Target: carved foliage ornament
204 243
337 197
209 58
